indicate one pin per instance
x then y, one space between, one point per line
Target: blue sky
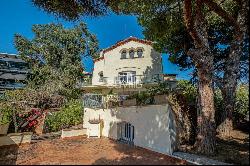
18 16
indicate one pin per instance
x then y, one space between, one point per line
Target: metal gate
126 132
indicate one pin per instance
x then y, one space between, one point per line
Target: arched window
139 53
131 54
123 54
100 76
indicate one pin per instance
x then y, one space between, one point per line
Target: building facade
130 61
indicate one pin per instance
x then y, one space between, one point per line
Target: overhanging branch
213 6
188 20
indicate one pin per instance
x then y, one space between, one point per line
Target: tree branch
187 12
213 6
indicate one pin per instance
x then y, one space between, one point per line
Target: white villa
129 66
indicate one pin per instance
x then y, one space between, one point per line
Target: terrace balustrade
98 101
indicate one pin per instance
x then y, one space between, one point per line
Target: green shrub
188 90
241 111
142 98
162 88
219 106
5 115
5 112
71 114
242 103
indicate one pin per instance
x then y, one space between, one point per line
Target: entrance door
127 77
126 132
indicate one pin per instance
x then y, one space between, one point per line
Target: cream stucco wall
153 124
112 63
98 67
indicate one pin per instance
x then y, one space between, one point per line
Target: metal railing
138 79
104 80
15 70
91 100
126 80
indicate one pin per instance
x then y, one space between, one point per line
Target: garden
51 100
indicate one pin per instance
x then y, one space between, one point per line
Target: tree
162 22
71 9
54 57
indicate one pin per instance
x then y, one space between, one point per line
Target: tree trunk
232 71
203 60
205 141
229 89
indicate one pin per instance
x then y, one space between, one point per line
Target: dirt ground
80 150
234 150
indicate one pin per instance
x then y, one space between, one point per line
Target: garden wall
153 124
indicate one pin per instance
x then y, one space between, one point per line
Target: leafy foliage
241 112
71 9
5 113
54 55
242 103
162 88
71 114
162 22
188 90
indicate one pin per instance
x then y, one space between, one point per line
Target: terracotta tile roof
122 42
98 59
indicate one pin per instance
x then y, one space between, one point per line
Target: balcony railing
15 70
11 85
122 80
91 100
103 80
138 79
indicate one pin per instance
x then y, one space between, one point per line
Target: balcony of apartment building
10 84
13 72
9 65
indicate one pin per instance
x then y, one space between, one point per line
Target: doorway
126 132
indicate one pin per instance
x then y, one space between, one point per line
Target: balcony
103 80
134 81
10 86
15 70
138 79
